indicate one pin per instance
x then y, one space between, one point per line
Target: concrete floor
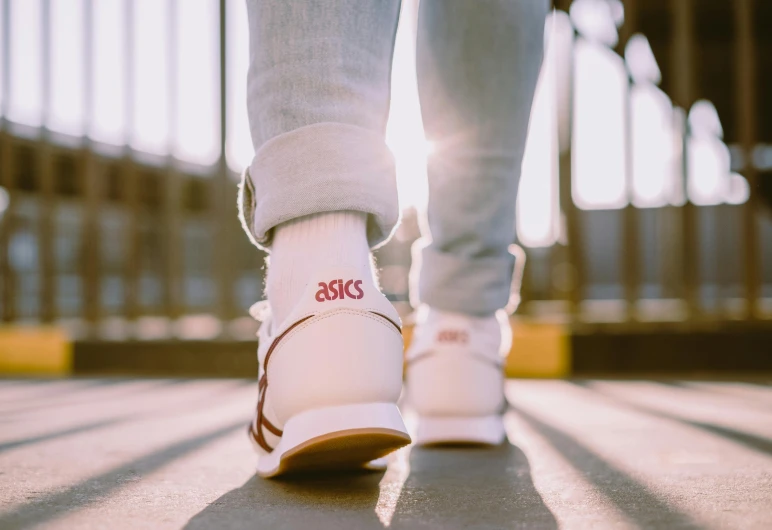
106 453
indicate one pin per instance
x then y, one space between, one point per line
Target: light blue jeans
318 100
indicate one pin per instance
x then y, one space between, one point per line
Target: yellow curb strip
539 349
35 350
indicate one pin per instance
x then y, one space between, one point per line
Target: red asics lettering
453 336
337 289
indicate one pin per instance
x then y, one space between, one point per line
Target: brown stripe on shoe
399 328
262 386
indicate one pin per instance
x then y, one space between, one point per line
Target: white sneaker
455 378
329 379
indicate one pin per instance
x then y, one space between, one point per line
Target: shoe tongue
340 287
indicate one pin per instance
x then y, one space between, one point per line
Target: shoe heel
341 437
452 430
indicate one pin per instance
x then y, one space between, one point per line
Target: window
109 75
26 76
67 72
3 65
238 148
197 86
537 199
151 108
600 89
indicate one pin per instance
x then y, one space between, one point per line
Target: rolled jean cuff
473 286
320 168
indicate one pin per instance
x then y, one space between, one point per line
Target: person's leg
320 192
477 68
318 100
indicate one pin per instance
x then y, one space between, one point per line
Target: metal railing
685 283
91 235
135 218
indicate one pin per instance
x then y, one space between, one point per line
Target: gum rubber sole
342 450
336 438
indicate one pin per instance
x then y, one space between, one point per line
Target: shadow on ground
642 505
757 443
94 490
445 488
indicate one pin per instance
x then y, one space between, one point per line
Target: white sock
307 244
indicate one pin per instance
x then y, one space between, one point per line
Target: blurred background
644 202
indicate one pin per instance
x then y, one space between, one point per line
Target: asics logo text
453 336
337 289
